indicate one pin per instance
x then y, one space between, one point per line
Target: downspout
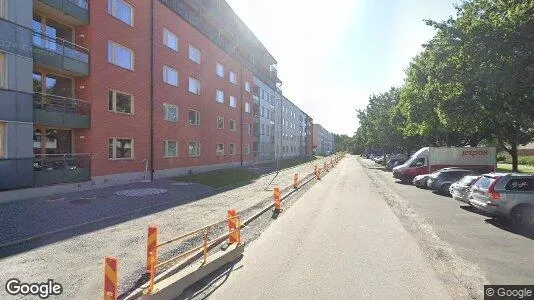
152 90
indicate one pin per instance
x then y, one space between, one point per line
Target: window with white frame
3 70
170 76
247 128
121 148
219 150
247 149
2 139
194 54
232 125
120 102
194 86
171 149
220 122
232 149
170 39
194 117
170 112
247 86
233 77
219 96
120 56
233 102
220 70
121 10
247 107
194 149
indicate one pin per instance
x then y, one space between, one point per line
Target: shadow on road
207 286
403 182
508 226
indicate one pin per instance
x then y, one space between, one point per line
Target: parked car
461 189
420 181
441 181
379 159
506 195
392 163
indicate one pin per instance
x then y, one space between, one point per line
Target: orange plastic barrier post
325 166
232 227
151 245
277 203
110 278
296 181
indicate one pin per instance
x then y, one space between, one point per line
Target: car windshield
466 180
484 182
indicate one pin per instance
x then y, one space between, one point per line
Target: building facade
294 130
323 140
115 91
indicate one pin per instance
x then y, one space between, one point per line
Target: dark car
392 163
441 181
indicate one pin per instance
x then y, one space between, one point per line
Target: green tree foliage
473 82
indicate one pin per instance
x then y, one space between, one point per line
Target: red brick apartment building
120 86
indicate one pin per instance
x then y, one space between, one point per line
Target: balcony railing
61 168
61 111
80 3
72 12
61 47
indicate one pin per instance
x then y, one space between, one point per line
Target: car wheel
523 216
445 189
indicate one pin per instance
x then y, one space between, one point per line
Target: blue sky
332 55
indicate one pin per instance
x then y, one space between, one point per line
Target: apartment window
219 96
120 56
121 148
219 149
170 112
220 122
220 70
233 77
194 86
247 128
262 130
2 138
247 107
231 149
171 149
194 54
3 68
121 10
233 102
247 86
232 125
120 102
194 149
170 39
194 117
247 149
170 76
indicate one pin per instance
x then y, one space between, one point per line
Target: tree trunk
514 155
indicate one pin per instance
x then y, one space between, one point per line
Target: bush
526 160
504 157
522 160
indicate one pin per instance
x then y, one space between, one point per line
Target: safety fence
233 236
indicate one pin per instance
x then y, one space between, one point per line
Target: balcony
70 12
61 168
60 55
60 111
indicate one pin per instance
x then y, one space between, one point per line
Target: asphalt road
501 254
339 240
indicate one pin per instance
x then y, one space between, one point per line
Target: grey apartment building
294 130
323 140
264 106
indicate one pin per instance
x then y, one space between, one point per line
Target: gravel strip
77 262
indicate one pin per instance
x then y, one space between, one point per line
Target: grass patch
220 178
522 168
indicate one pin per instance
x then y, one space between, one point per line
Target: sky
332 55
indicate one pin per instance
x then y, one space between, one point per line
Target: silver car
461 189
506 195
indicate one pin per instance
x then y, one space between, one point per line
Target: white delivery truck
431 159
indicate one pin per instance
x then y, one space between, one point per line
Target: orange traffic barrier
277 203
110 278
325 166
234 236
296 181
151 245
